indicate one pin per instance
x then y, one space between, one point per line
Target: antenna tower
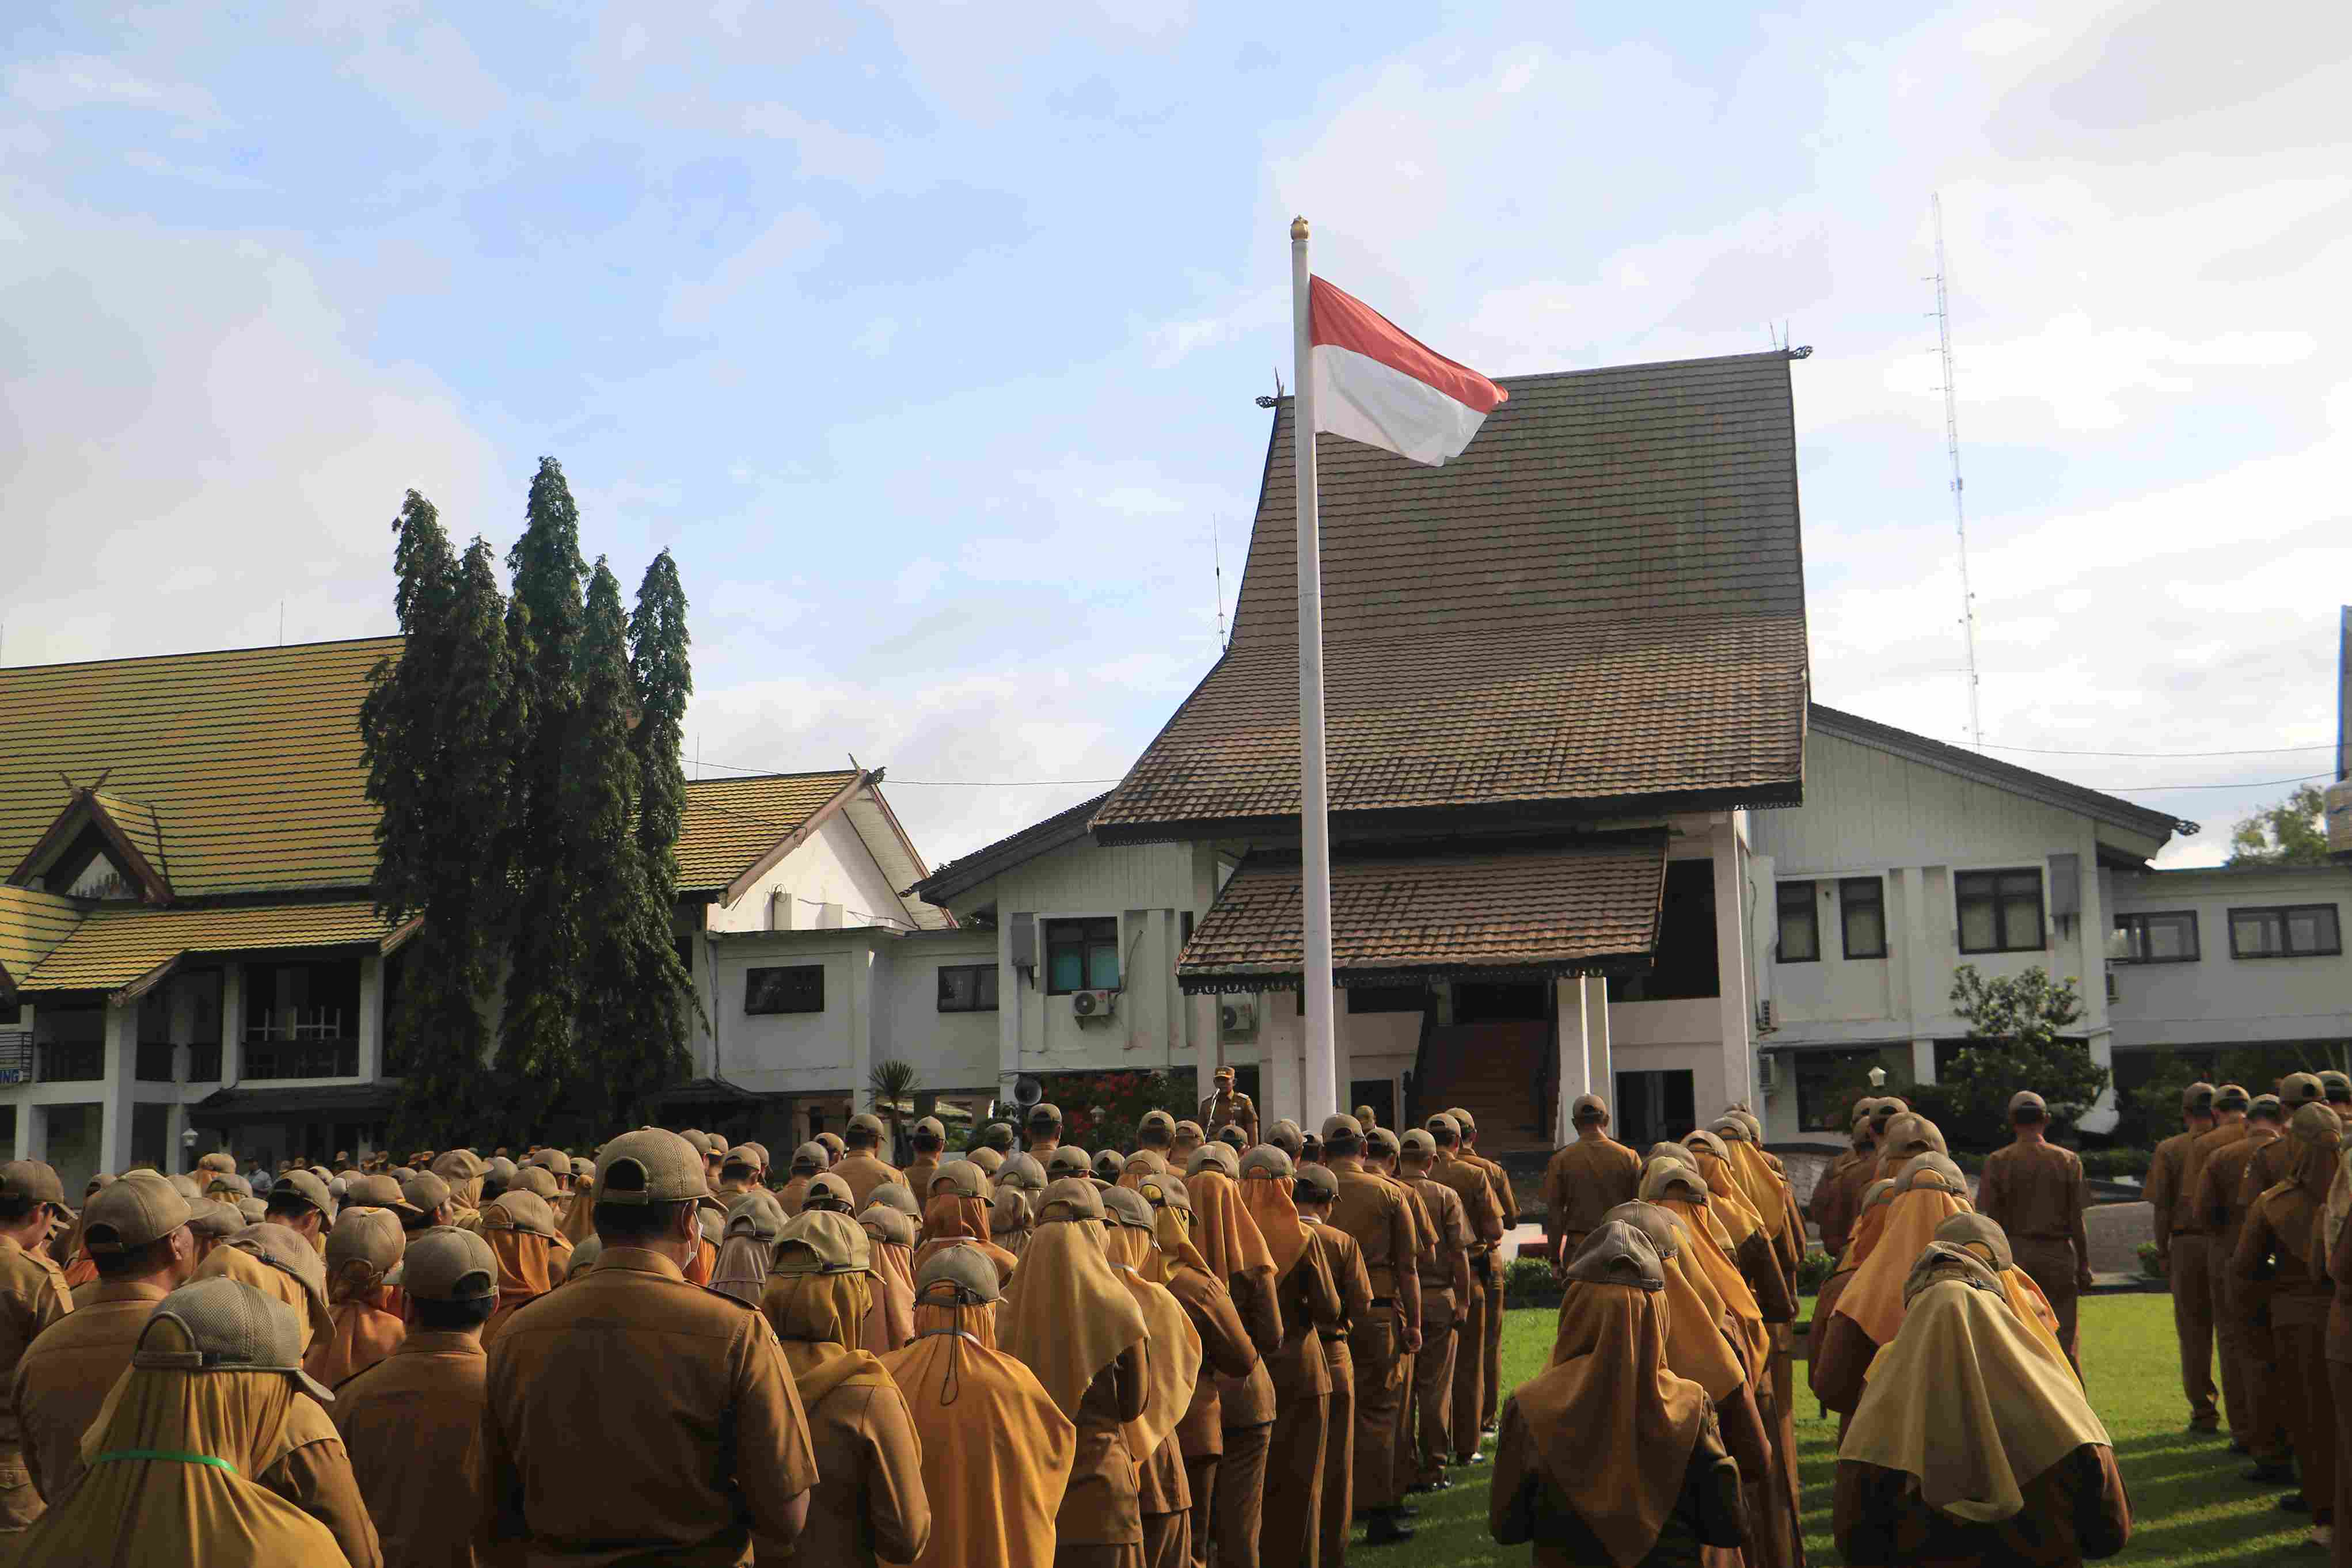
1952 447
1217 551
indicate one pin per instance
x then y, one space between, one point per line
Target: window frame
751 980
1781 901
2283 913
1093 931
985 981
1877 900
2135 926
1997 897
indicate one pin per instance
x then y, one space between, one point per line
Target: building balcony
205 1063
298 1058
154 1063
62 1062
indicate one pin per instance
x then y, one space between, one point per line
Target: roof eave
1508 815
961 876
1232 979
84 807
794 840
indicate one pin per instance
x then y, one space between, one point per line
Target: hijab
1712 1161
365 1324
1067 1315
1963 1400
1924 1199
890 1321
1676 1189
816 1299
1173 1367
754 1220
1265 1197
1608 1374
530 1260
1694 1313
1229 1239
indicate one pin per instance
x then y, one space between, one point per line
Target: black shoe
1406 1510
2205 1426
1386 1532
1478 1458
1489 1426
2270 1474
2293 1504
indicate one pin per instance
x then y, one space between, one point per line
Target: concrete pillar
1731 963
1923 1061
1599 1054
861 1028
115 1091
371 1018
1013 1001
1280 1031
2103 1115
232 1024
1575 1014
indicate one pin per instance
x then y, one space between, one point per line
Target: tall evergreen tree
398 718
544 844
664 674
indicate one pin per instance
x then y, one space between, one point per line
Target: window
2001 910
1800 927
1861 916
797 990
2288 931
1387 999
2167 938
967 988
1081 955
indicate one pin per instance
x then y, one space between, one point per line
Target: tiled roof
238 770
1599 605
1064 827
731 822
1584 908
31 923
113 947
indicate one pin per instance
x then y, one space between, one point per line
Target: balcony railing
205 1063
15 1056
64 1064
298 1058
154 1064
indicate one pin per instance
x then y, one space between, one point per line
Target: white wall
794 1052
2222 1001
831 866
952 1052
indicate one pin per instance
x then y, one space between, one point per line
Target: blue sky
926 335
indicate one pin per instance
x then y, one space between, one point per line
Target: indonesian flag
1375 384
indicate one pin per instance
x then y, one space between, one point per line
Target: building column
371 1018
1598 1055
1574 1011
861 1028
1731 963
115 1097
232 1024
1281 1031
1923 1061
2102 1116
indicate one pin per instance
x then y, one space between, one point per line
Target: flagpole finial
1298 228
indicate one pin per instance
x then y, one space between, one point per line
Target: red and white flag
1376 384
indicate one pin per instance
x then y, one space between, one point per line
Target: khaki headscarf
1874 1297
1966 1402
1759 1184
1265 1195
1981 1236
366 1324
1172 1232
891 1321
1609 1375
282 1265
754 1220
1067 1315
1676 1188
530 1260
172 1510
1731 1206
818 1294
1229 1239
1175 1365
1696 1348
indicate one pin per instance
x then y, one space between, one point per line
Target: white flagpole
1318 1087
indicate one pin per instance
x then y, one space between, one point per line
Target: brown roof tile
31 923
1578 908
1599 604
731 822
112 947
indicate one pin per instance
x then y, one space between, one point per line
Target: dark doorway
1501 1001
1686 965
1654 1107
1380 1093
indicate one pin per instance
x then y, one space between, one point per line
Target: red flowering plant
1102 1110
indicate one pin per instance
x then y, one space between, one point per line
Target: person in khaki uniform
870 1502
2182 1252
1445 1270
1233 1477
929 1139
137 1232
863 1167
702 1450
1378 1215
2229 1105
1228 1105
33 1295
1585 1180
2036 1192
1382 1150
2242 1321
1490 1281
1468 1181
1832 1207
412 1422
1227 1350
1314 1190
1044 1126
1290 1520
2285 1242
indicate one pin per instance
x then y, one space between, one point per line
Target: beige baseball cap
536 1180
554 1160
1320 1181
131 1213
826 1190
523 1210
220 1325
931 1127
1444 1123
446 1264
31 1179
961 1177
823 1241
1125 1206
459 1165
868 1122
1070 1198
1418 1144
650 1167
368 1236
373 1192
1589 1108
306 1185
2027 1100
2197 1098
1340 1124
1069 1160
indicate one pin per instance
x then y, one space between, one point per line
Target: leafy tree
2292 832
431 729
2015 1042
891 1085
546 844
664 676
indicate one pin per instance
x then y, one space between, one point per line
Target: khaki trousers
1469 1368
1168 1539
2192 1323
1490 1371
1291 1525
1240 1487
1433 1386
2051 1265
1379 1388
1402 1471
1341 1455
2265 1397
1200 1476
2310 1413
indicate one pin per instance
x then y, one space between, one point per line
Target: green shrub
2112 1165
1528 1282
2148 1260
1813 1271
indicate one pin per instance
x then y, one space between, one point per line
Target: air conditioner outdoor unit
1767 1016
2115 991
1094 1004
1767 1074
1238 1015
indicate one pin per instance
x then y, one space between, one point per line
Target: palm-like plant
892 1083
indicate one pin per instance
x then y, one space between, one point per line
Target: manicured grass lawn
2187 1502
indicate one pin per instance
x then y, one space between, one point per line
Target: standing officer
1585 1180
2241 1321
2181 1252
1490 1362
2035 1190
33 1295
1372 1211
1230 1105
1444 1286
863 1167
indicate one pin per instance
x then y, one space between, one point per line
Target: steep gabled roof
737 829
1597 608
132 837
1064 827
116 947
31 925
239 768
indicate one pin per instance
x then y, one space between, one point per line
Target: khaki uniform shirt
2167 1192
2036 1192
412 1423
1236 1107
1499 1179
677 1386
2221 1201
1585 1180
1477 1195
2201 1150
863 1173
870 1502
1372 1211
33 1295
1453 1228
66 1374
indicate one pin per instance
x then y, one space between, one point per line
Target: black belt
1384 1301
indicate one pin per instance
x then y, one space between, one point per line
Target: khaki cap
2300 1089
1125 1206
1284 1133
1878 1192
742 1156
215 1220
1214 1157
821 1241
189 1187
2316 1124
367 1235
131 1213
1978 1234
2337 1086
1157 1119
537 1181
1655 1224
964 1269
1943 1262
834 1147
218 1160
712 1143
229 1182
425 1192
1109 1165
1072 1200
1066 1161
31 1179
756 1214
650 1167
894 1195
1188 1128
962 1177
554 1160
1265 1160
885 1225
1340 1124
500 1169
1442 1122
459 1165
583 1169
306 1185
868 1122
812 1155
1321 1185
522 1210
1664 1179
2197 1099
1224 1074
1729 1128
1618 1254
584 1256
1045 1110
1381 1141
1932 1170
692 1135
931 1127
1417 1145
290 1253
2267 1105
253 1208
989 1159
826 1190
373 1192
1162 1190
1232 1137
1024 1172
446 1264
1469 1124
221 1325
1589 1108
2231 1097
2026 1098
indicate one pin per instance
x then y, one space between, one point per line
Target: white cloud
826 151
793 242
85 81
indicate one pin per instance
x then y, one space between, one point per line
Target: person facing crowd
1226 1105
